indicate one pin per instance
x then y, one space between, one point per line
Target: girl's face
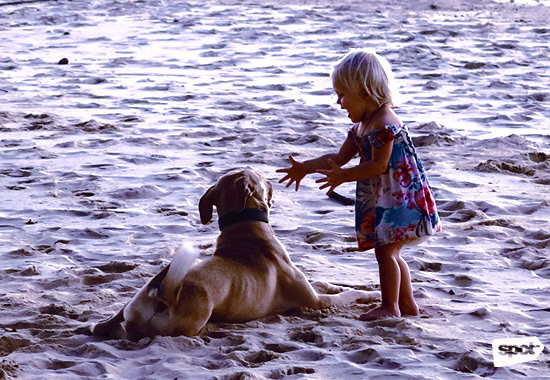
355 104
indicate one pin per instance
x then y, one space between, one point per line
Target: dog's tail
183 260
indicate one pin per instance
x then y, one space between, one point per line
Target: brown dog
249 276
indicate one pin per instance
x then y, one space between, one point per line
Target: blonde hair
366 73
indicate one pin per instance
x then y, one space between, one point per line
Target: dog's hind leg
194 309
347 297
326 288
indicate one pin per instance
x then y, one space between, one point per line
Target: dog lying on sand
249 276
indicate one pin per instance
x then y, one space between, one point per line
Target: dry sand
103 161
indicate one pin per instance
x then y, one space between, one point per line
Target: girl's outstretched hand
293 174
334 177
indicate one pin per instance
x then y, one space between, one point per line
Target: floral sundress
399 204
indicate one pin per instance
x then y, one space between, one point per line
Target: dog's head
236 191
142 315
148 313
154 309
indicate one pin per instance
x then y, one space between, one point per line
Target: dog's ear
106 326
206 205
154 284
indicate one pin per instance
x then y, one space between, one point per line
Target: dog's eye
160 307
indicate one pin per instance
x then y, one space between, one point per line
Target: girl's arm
299 170
335 175
347 151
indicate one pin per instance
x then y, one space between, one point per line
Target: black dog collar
248 214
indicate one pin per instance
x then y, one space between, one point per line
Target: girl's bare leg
390 283
395 284
407 304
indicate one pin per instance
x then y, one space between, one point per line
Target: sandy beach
103 161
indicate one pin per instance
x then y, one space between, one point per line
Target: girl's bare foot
380 312
409 309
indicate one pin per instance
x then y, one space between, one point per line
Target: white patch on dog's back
183 260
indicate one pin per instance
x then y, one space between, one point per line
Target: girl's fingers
285 178
332 187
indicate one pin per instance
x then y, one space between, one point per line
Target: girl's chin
353 118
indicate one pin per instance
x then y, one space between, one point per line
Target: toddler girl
394 203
